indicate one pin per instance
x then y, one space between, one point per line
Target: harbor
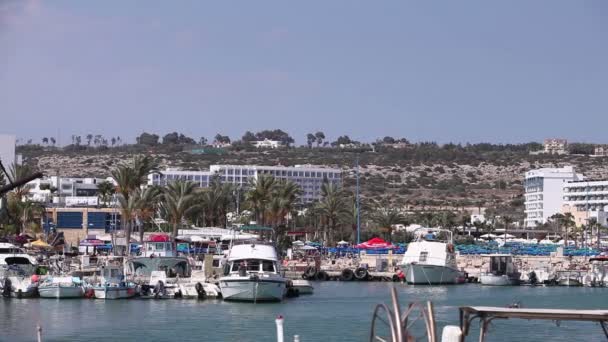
336 312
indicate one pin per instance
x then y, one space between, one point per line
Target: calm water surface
336 312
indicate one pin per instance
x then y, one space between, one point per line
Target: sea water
337 311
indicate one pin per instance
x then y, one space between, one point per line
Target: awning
256 228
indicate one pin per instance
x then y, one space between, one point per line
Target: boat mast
358 206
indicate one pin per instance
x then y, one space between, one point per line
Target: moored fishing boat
431 259
112 284
252 274
61 287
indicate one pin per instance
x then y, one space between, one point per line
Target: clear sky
462 71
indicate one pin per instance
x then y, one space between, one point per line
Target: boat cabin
501 264
158 246
112 274
254 258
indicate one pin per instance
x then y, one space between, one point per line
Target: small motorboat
61 287
112 284
502 271
569 278
303 286
18 278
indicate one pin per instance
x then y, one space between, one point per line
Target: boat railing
392 323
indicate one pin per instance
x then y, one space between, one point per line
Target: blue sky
462 71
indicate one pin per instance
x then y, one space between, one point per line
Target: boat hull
252 290
417 274
498 280
569 282
303 286
61 292
114 292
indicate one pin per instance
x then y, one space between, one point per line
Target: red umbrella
159 238
375 243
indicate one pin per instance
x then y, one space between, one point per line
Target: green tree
385 217
259 195
105 190
310 139
178 202
144 139
129 178
320 136
333 209
146 205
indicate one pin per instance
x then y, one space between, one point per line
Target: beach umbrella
375 243
298 243
308 248
508 236
40 244
343 242
487 236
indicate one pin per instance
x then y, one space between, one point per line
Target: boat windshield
253 265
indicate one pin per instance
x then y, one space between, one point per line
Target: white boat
598 275
252 274
502 271
61 287
112 284
168 275
16 271
431 259
303 286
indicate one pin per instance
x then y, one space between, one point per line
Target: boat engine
6 287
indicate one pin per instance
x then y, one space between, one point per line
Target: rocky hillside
415 177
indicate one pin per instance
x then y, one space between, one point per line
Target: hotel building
544 193
308 177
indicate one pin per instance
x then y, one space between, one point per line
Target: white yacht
61 287
16 270
431 259
501 272
252 274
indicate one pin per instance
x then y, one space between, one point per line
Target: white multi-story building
555 146
543 193
7 150
309 178
586 199
266 143
66 191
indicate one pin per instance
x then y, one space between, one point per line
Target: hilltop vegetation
417 176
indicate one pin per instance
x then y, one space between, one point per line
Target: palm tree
507 220
386 217
178 202
105 190
332 208
567 222
213 204
128 179
147 201
259 195
128 207
281 206
18 172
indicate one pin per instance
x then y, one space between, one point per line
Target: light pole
358 205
